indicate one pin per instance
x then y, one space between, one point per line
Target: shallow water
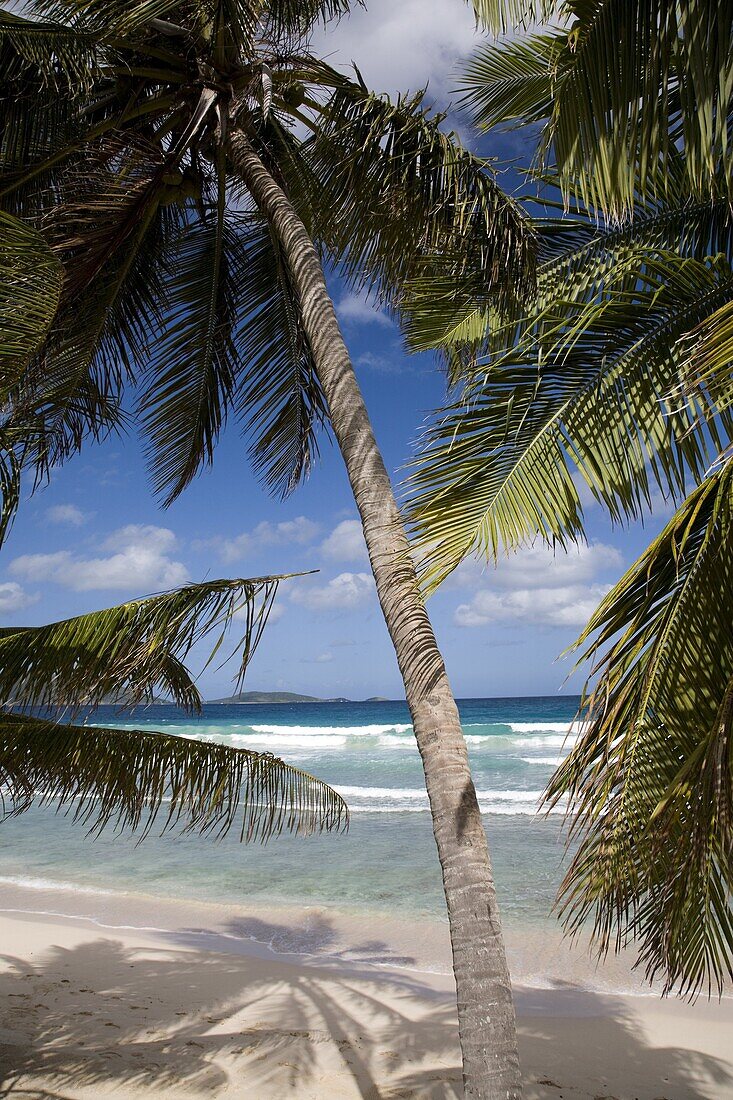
386 862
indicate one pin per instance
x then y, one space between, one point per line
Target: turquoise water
386 862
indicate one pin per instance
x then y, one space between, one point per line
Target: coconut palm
194 167
618 377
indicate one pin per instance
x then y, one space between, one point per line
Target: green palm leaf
511 84
134 779
133 650
621 90
585 389
48 50
188 385
279 400
231 341
575 255
651 777
500 16
399 197
30 291
709 354
112 236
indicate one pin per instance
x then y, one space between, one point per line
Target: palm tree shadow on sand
172 1022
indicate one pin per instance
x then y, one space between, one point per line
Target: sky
96 536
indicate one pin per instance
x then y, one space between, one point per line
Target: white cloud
155 539
66 513
13 597
382 364
324 658
538 565
357 310
344 592
536 585
401 46
346 542
569 606
300 530
139 561
542 566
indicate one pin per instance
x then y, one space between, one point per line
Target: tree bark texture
486 1017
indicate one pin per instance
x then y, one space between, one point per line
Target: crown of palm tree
172 280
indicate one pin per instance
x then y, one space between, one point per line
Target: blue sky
95 535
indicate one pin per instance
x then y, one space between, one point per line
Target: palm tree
194 222
618 376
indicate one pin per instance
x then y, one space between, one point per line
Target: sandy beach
170 1007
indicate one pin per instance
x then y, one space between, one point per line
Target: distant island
274 697
125 700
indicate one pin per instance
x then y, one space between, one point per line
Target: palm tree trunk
485 1009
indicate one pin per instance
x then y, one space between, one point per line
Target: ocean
386 861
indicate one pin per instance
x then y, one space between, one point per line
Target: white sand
87 1010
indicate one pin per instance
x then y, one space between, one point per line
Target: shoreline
129 1013
540 957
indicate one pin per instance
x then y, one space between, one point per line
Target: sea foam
548 741
343 731
30 883
546 727
414 800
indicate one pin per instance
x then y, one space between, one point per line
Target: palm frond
707 368
511 84
293 19
51 52
135 779
46 78
279 399
192 367
500 16
133 650
585 388
650 780
113 238
232 342
405 199
620 92
30 291
575 256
